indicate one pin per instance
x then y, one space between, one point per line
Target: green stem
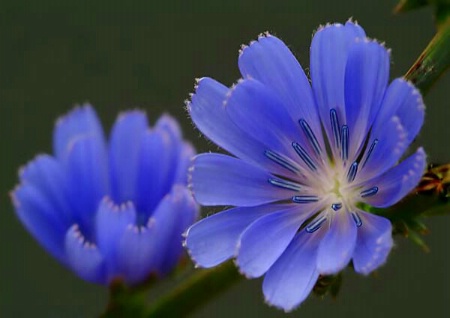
433 61
125 302
195 291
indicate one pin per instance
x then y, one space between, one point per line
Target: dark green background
146 54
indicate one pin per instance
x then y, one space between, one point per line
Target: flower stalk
195 291
434 60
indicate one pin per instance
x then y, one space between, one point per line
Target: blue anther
335 127
314 226
336 206
369 152
285 184
344 142
369 192
279 159
357 219
304 156
311 137
305 198
352 172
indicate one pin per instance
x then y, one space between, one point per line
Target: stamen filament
304 156
335 127
311 228
336 206
357 219
344 142
305 198
285 184
281 160
352 172
369 192
310 134
372 147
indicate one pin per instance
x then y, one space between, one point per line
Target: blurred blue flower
310 158
113 210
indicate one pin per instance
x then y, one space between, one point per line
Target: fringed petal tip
414 92
374 243
286 309
192 255
13 196
262 35
232 90
78 110
204 87
22 171
138 114
84 257
112 206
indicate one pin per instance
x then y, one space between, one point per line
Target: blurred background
119 55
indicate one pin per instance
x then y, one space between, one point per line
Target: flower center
326 178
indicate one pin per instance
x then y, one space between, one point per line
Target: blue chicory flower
308 159
110 211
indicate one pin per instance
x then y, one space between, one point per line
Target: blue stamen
305 198
310 134
369 192
344 142
282 161
335 127
336 206
352 172
311 228
357 219
285 184
372 146
304 156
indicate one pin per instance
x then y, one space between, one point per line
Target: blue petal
154 168
138 253
146 250
373 244
169 125
184 162
46 174
209 115
124 148
403 100
270 62
86 164
336 248
41 218
290 280
111 223
390 142
329 53
398 181
84 258
259 113
366 79
180 213
411 110
82 121
223 180
262 243
399 120
214 239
